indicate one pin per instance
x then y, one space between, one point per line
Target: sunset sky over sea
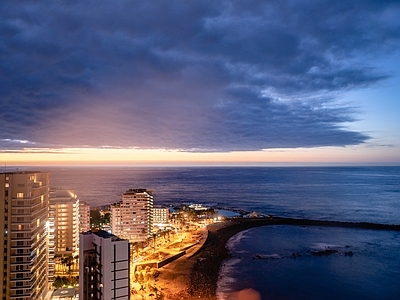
199 82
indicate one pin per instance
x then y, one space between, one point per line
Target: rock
324 252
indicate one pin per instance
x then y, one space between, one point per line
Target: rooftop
67 293
62 193
105 235
134 191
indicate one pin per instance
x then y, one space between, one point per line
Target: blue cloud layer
197 76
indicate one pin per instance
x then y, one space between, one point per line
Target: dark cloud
198 76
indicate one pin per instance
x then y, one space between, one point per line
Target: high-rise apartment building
84 216
64 213
104 267
132 218
24 198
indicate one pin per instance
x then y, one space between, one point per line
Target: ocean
264 256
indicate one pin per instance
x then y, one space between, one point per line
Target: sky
199 82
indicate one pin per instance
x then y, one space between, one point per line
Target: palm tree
154 235
68 261
76 261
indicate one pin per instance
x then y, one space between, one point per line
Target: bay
278 261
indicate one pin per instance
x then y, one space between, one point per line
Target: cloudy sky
200 81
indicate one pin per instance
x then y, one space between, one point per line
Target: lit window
7 185
38 222
20 195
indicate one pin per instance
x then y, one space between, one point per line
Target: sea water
281 263
264 255
370 194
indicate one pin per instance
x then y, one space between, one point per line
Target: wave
236 239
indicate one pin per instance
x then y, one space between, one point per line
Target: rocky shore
198 273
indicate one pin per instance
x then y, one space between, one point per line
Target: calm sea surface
350 194
264 255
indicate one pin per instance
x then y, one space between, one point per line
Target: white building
51 245
160 216
84 216
103 267
132 218
24 200
64 213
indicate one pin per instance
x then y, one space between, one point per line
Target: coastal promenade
195 275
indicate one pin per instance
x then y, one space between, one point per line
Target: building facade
24 200
84 216
64 214
132 218
104 267
160 216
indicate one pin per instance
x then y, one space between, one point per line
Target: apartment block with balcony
24 199
64 216
104 267
132 217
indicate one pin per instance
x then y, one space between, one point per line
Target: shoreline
196 276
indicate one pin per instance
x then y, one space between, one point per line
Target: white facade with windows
64 214
132 218
160 216
104 266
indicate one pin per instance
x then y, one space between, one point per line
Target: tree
68 261
58 282
136 247
76 260
95 218
154 236
107 218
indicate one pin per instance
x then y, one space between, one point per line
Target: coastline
195 276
